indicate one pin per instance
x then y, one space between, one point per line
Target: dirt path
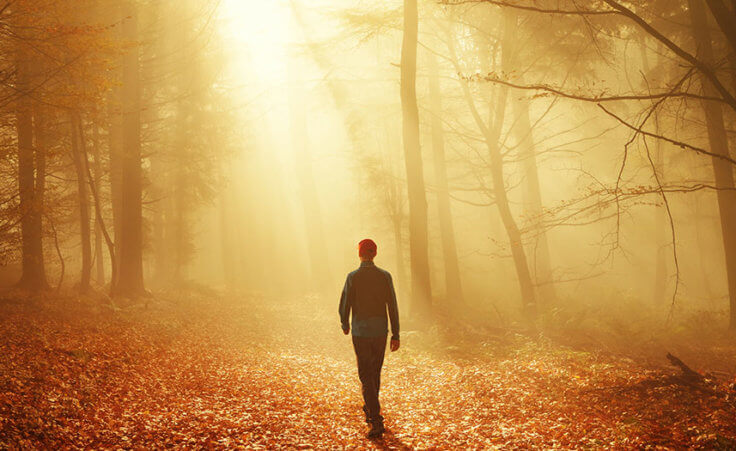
248 375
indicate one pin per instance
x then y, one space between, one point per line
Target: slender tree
447 230
31 167
541 260
130 278
491 138
79 155
418 233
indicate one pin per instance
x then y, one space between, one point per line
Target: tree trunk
421 291
725 19
447 231
93 187
528 298
491 134
115 157
542 262
97 165
78 154
718 140
31 178
130 279
178 221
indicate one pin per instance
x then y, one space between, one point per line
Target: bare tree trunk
447 230
418 233
115 159
718 140
542 262
502 203
179 220
130 279
31 178
83 198
115 156
491 136
99 222
97 165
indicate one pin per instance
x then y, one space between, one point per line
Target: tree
718 140
447 230
79 156
491 137
418 240
31 163
130 278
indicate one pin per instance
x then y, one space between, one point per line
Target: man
368 293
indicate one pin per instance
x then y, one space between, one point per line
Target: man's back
369 293
372 291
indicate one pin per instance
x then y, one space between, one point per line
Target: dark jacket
369 293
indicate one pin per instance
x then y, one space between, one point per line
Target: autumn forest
547 187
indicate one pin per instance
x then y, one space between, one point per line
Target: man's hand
394 345
346 331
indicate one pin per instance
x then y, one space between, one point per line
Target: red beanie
367 248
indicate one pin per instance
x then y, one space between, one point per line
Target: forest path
206 374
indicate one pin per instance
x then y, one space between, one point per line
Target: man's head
367 250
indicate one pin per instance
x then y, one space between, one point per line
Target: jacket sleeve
346 303
393 309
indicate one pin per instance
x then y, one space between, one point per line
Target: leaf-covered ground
261 373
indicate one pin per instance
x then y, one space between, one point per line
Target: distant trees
653 21
76 89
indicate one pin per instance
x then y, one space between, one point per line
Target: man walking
369 293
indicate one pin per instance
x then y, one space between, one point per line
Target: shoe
377 430
367 418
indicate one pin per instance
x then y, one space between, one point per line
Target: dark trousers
370 352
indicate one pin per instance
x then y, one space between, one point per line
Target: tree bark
115 154
130 279
83 198
99 222
542 261
97 165
725 19
447 231
31 177
418 234
718 141
491 134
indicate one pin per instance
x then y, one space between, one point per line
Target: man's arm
393 310
345 305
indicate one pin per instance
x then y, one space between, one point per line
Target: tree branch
680 144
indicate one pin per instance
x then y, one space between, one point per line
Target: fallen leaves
214 374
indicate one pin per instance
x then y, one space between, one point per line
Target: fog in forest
271 142
546 168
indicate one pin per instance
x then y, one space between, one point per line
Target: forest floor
205 372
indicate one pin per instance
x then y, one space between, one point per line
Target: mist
550 185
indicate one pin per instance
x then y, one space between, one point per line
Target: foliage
219 372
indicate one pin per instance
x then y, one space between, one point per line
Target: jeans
369 352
